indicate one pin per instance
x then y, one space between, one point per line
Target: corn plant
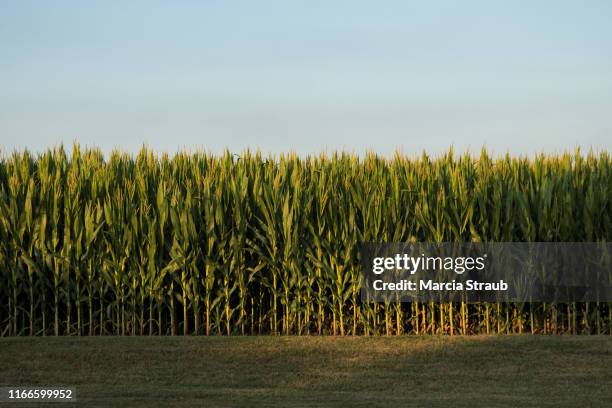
203 244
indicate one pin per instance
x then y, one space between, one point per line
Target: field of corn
235 245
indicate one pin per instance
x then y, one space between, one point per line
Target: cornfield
203 244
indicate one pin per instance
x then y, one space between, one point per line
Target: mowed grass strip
485 371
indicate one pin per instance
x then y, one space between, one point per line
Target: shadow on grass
318 371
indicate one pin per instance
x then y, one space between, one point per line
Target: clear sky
517 76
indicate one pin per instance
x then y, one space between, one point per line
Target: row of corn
246 244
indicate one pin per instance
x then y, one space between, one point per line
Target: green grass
470 372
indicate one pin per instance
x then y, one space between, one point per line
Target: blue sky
516 76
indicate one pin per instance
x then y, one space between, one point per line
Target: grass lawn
317 371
